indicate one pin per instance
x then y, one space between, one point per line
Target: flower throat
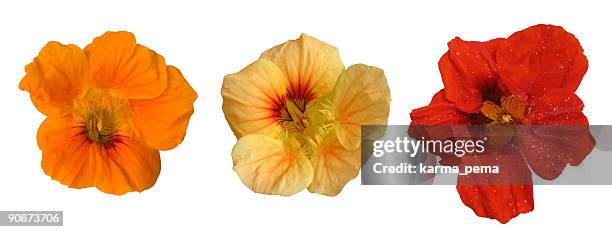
101 112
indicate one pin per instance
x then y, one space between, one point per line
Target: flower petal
557 134
55 77
541 58
253 97
439 112
71 158
271 166
361 97
437 121
163 120
125 166
334 166
500 202
118 63
66 155
311 66
468 70
500 196
557 107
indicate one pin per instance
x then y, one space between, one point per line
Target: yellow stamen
294 118
102 112
506 118
99 126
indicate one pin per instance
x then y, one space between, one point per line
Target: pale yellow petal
310 66
334 166
270 166
361 97
253 97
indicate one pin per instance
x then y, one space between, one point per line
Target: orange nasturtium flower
110 108
297 114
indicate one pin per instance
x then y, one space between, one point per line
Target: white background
197 188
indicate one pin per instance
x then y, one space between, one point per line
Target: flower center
511 111
306 123
293 115
102 112
501 118
101 126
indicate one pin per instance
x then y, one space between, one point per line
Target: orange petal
118 63
163 120
71 158
66 153
125 166
55 77
253 97
311 66
334 166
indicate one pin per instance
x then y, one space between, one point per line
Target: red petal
541 58
500 202
557 134
556 107
439 112
468 69
500 196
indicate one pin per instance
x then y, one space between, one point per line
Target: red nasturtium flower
110 108
527 79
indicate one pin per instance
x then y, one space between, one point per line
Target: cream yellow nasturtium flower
297 115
